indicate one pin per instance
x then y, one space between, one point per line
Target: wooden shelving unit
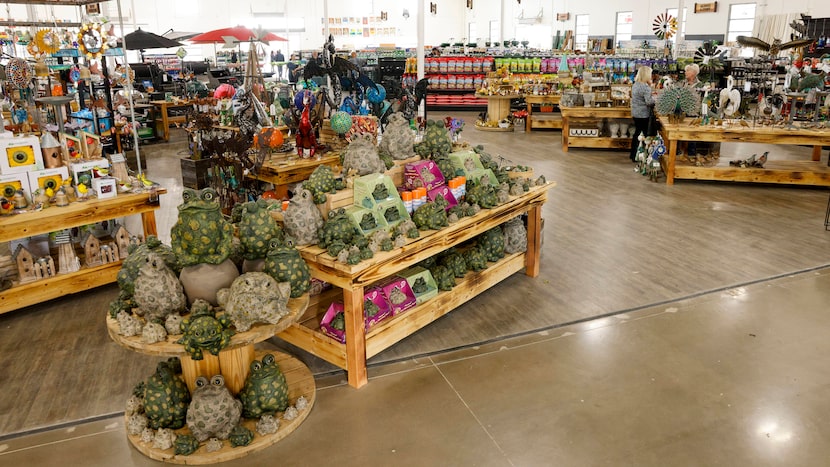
592 117
812 172
360 345
58 218
540 119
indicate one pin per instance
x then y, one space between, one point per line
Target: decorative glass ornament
376 96
341 122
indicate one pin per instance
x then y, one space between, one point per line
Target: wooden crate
195 172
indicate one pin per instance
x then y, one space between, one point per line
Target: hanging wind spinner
91 40
19 73
664 26
47 41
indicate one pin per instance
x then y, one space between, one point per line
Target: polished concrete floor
669 326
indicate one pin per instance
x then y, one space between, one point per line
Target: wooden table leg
816 153
534 241
671 161
148 221
528 126
565 130
166 121
355 336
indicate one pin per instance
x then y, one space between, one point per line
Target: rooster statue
305 131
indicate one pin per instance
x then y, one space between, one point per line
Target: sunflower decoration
91 40
664 26
47 41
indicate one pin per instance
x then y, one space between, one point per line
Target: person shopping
641 106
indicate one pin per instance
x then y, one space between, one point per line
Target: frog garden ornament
203 331
158 292
255 297
201 234
302 219
285 264
256 228
515 236
213 411
322 182
131 266
338 232
430 216
265 390
436 140
166 396
491 243
362 156
398 139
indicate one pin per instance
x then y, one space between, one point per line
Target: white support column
420 50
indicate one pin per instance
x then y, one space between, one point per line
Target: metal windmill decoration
664 26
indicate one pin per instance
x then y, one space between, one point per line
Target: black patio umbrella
140 40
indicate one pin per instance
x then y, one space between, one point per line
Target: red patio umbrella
234 34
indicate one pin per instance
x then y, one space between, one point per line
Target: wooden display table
589 119
498 108
233 363
361 345
810 172
163 119
59 218
284 169
542 119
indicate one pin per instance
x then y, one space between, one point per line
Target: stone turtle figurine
201 234
158 292
265 390
362 156
285 264
166 396
213 411
302 219
203 331
256 228
255 297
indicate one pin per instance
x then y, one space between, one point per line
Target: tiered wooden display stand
810 172
284 169
498 108
233 363
361 345
591 117
59 218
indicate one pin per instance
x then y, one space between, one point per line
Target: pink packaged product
445 192
333 326
398 294
422 174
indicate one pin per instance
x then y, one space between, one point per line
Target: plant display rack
353 279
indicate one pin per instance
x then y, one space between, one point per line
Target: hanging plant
91 40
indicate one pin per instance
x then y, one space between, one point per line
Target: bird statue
772 49
729 98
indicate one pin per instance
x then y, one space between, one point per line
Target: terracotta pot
204 280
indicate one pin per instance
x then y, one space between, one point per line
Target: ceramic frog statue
436 141
455 261
444 277
255 297
338 232
203 331
285 264
213 412
302 219
483 194
491 244
256 228
321 182
166 396
131 266
265 390
362 156
515 236
430 216
475 258
398 139
201 234
158 292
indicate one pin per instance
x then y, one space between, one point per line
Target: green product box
393 209
475 175
412 275
370 219
369 190
466 160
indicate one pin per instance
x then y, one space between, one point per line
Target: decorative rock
202 281
136 424
255 297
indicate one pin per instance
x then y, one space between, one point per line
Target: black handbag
653 124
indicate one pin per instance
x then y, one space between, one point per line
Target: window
682 27
495 33
581 36
741 21
472 33
624 23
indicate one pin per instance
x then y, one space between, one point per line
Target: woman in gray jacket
641 106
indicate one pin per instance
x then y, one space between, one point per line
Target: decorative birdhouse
92 250
51 150
122 240
109 253
67 259
25 264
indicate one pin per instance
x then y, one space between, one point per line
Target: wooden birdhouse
92 250
122 240
67 260
25 264
109 253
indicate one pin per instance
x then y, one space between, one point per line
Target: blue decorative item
364 108
348 106
298 99
376 96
